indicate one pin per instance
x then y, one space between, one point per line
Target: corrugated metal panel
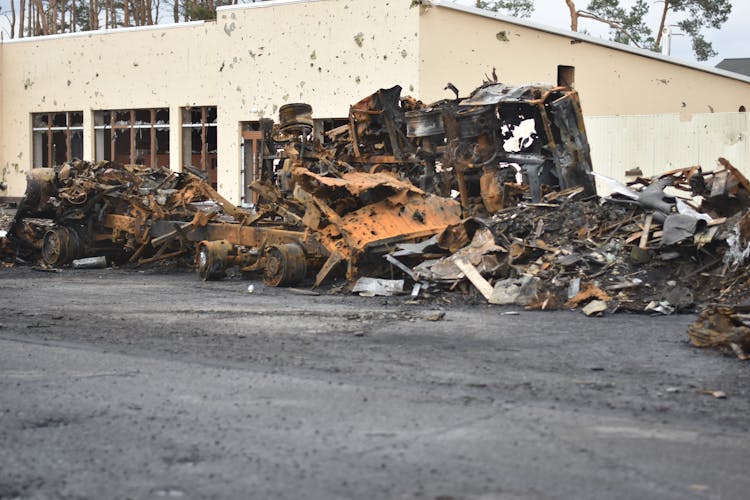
657 143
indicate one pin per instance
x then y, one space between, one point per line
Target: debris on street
370 287
716 394
723 327
90 263
326 204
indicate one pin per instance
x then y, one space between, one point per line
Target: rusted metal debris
397 212
500 145
325 203
142 215
723 327
493 190
355 191
126 213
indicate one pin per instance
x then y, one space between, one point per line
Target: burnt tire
60 246
211 259
285 265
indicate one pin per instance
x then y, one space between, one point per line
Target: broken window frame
47 132
131 125
188 125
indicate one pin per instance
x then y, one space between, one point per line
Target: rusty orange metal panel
387 222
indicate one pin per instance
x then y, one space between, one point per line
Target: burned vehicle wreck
389 174
139 215
326 202
127 213
499 146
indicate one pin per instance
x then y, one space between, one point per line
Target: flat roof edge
586 38
261 5
77 34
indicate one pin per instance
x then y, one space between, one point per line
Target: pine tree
515 8
629 26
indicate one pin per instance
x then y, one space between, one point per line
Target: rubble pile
498 146
391 173
492 192
604 252
139 215
326 202
639 250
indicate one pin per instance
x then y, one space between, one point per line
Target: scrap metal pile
354 189
326 203
126 213
140 215
500 145
494 191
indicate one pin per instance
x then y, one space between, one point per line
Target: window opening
133 136
57 137
199 140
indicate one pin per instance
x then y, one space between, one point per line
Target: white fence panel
657 143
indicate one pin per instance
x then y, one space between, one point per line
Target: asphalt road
120 384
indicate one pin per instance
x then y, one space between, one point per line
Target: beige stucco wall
329 53
610 81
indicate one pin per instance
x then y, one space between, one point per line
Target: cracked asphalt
126 384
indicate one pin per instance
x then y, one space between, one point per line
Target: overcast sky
732 41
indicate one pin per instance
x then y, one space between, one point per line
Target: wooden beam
644 234
473 275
